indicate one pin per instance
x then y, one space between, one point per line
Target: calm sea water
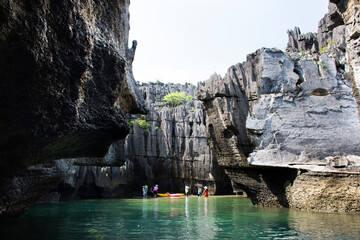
184 218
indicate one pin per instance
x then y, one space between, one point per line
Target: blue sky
189 40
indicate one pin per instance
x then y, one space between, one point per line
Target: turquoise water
184 218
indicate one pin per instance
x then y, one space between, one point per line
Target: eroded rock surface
340 29
172 151
66 82
294 140
349 10
287 114
175 151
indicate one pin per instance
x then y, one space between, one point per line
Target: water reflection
317 225
156 203
205 207
210 227
185 218
188 221
144 208
187 212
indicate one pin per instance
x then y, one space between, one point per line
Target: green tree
189 98
176 98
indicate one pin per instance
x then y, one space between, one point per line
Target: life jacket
206 193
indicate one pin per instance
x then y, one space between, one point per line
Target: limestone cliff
282 121
175 151
172 151
339 27
347 12
66 84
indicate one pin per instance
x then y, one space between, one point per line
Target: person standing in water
156 188
206 191
199 191
187 188
144 191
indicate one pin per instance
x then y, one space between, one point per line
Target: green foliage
189 98
193 85
302 52
156 128
142 123
177 98
193 109
322 50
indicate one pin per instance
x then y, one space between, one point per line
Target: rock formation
302 42
66 85
285 126
341 25
175 151
171 151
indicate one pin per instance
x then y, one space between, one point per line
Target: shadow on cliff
265 186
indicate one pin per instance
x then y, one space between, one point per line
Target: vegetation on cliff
177 98
142 123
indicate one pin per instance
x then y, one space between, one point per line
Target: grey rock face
301 115
338 29
285 111
302 42
82 179
351 18
297 120
331 27
66 81
174 152
298 99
